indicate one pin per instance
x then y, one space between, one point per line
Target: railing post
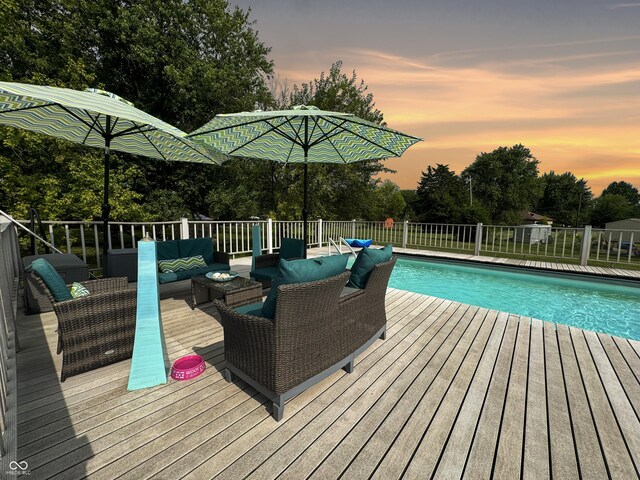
353 228
405 231
319 233
586 245
269 235
184 228
478 239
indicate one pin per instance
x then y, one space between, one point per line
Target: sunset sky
562 77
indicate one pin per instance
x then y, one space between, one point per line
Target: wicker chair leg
278 409
383 335
228 376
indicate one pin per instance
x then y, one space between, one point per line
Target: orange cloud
576 110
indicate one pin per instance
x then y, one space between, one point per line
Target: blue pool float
358 242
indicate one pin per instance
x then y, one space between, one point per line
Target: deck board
454 391
590 456
426 457
507 462
613 444
536 441
424 402
479 462
562 451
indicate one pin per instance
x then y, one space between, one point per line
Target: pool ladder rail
338 246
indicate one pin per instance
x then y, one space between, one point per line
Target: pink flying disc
186 368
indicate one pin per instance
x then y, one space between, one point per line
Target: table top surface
235 284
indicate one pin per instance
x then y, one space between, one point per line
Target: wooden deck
454 391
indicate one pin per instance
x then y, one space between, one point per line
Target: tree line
184 61
500 185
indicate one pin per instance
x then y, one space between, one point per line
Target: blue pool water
592 305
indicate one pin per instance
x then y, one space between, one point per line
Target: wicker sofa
319 327
174 249
95 330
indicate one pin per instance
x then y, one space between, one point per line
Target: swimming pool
612 308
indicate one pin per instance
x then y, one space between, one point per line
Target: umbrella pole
305 210
106 208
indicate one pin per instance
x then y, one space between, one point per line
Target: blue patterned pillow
78 290
179 264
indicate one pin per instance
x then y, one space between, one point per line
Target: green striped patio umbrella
305 135
99 119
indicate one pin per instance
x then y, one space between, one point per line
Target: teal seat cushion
51 279
266 273
196 246
301 271
291 248
167 250
254 309
366 260
184 274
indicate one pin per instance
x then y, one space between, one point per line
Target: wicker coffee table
236 292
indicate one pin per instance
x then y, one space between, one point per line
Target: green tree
506 182
388 202
181 61
626 190
410 200
36 171
565 199
335 191
609 208
441 195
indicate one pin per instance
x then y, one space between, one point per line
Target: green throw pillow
78 290
51 279
366 260
301 271
179 264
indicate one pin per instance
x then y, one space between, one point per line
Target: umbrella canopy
98 119
305 135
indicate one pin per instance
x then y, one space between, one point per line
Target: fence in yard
583 246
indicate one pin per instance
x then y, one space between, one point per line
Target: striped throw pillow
78 290
179 264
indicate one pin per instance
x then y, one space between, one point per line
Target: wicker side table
236 292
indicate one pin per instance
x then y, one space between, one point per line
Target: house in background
530 218
631 225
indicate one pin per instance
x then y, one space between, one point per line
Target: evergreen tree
440 195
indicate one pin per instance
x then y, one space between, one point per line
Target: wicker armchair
319 328
266 266
98 329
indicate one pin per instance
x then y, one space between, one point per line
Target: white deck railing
9 276
575 245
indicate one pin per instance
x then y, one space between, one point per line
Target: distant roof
534 216
636 220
